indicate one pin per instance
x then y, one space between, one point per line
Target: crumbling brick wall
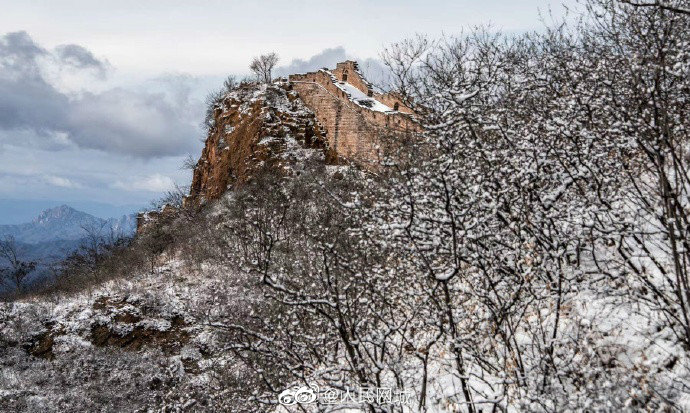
347 131
356 78
286 125
351 129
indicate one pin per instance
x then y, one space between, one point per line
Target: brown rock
330 116
259 126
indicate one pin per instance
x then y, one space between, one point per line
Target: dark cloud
80 58
373 69
19 51
127 122
139 123
25 97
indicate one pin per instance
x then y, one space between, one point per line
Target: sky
101 101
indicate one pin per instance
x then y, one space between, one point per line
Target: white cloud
151 183
60 181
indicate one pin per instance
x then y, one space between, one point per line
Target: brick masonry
352 129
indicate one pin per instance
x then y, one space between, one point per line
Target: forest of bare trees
509 257
529 251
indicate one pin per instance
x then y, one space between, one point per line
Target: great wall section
352 112
333 116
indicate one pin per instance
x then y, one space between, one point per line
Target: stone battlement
353 113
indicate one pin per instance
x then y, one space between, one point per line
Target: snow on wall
353 114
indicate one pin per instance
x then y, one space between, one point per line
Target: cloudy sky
100 101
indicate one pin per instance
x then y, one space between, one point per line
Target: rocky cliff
327 116
257 127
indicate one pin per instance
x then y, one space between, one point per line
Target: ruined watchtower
329 116
353 113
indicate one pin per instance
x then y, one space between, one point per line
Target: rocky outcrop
329 116
257 127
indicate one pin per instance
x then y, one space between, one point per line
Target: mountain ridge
66 223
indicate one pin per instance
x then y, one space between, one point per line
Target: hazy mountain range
57 232
66 223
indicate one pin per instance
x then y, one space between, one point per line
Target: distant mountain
57 232
19 211
66 223
125 225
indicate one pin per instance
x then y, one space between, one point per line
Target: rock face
329 116
255 127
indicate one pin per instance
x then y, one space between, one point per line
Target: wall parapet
355 116
397 120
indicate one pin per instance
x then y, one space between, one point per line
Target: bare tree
214 102
676 6
16 269
263 65
154 243
97 237
189 163
527 172
173 197
230 83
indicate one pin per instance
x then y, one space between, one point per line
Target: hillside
506 231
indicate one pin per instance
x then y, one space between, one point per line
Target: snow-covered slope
121 347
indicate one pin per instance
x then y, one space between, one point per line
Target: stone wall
286 126
346 130
356 78
352 130
149 218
